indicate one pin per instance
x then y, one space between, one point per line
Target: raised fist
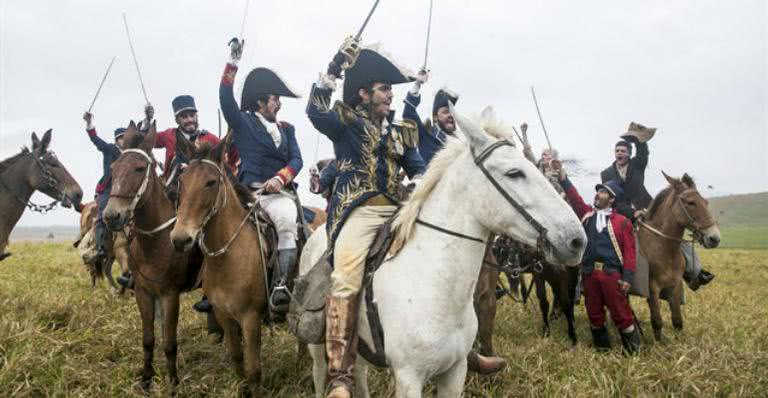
235 50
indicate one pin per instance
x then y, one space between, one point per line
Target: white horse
424 293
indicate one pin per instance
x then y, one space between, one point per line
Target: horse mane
658 200
5 164
438 166
203 151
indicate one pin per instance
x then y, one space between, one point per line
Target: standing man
270 157
608 266
432 136
370 148
110 152
630 173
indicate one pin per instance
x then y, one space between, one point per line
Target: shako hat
183 103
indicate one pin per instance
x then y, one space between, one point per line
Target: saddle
306 314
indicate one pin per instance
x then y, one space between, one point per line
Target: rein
692 226
140 193
448 232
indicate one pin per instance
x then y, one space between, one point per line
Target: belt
598 265
378 200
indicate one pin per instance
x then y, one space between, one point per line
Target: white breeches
282 210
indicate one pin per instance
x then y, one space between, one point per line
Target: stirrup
280 308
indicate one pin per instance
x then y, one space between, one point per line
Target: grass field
59 337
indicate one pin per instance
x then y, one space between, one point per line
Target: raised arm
229 107
574 199
641 157
100 144
411 161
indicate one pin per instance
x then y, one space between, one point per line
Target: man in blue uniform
432 133
269 154
110 152
370 148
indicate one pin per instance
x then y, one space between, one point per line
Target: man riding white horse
370 148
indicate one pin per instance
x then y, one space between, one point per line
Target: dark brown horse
678 207
29 171
214 213
138 203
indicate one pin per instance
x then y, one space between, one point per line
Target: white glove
235 50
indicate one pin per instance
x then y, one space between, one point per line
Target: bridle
690 225
140 192
50 183
215 209
541 241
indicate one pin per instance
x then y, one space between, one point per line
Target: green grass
59 337
744 237
741 210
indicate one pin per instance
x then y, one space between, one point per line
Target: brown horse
675 209
138 203
29 171
117 248
213 212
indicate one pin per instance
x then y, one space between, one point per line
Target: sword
245 15
429 30
541 120
219 111
104 79
135 61
368 18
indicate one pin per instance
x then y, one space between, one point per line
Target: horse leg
251 324
675 307
654 307
147 310
541 293
450 384
234 339
485 308
170 303
319 368
566 306
409 383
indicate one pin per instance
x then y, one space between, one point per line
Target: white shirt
272 129
602 218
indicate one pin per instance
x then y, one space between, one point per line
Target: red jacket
622 227
167 139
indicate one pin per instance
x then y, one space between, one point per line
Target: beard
189 128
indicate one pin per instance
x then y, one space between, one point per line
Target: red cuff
286 174
228 78
91 132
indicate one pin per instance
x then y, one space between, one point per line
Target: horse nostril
577 244
714 240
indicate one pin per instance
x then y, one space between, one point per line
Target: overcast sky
696 70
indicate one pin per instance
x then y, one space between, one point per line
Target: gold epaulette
345 112
409 131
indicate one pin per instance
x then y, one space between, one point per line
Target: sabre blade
245 15
429 31
104 79
368 18
541 119
135 61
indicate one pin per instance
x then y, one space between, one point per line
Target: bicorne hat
261 82
373 65
442 98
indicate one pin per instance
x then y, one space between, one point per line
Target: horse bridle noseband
50 181
140 193
541 241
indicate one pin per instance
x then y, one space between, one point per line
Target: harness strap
158 229
447 231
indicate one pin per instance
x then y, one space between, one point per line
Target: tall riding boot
286 262
341 344
600 339
631 341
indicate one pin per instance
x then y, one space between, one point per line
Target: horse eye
210 183
140 169
515 173
691 203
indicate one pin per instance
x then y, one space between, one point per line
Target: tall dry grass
59 337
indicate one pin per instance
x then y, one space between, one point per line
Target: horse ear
35 141
688 181
183 146
218 151
149 140
674 182
477 137
45 142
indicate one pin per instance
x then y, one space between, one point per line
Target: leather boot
100 232
600 339
341 345
484 365
203 305
286 262
631 341
125 280
705 277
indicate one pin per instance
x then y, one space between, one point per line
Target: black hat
183 103
261 82
442 98
373 65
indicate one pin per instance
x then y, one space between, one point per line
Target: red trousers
602 290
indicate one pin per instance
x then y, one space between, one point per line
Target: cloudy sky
696 70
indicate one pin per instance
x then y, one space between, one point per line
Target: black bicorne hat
261 82
373 65
442 98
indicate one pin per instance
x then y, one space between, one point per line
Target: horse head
510 196
132 174
691 211
49 176
202 190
